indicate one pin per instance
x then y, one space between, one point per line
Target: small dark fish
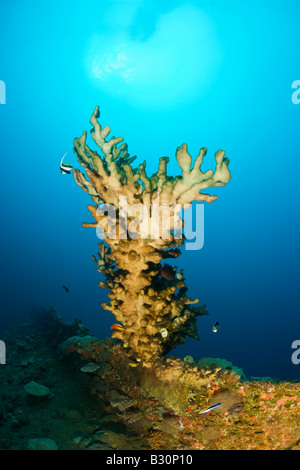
210 408
65 287
167 272
65 168
214 328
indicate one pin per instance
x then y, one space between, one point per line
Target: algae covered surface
98 400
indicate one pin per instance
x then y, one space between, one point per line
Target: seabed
98 401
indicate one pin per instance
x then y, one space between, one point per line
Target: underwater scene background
209 73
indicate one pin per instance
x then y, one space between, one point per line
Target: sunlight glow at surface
177 62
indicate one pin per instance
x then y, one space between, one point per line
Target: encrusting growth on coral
139 216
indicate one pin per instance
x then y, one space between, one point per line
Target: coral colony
138 217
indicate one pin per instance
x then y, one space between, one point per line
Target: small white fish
65 168
210 408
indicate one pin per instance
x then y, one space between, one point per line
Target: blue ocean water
208 73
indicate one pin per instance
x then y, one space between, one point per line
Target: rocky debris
170 425
209 363
99 446
90 367
122 441
121 403
42 443
37 390
231 403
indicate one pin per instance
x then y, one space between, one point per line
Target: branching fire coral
138 216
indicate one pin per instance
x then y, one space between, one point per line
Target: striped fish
210 408
65 168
